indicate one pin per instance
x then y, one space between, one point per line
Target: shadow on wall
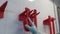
57 2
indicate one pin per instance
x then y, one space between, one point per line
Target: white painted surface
9 24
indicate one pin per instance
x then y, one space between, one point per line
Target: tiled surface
9 24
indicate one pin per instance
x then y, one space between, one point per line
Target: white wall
9 24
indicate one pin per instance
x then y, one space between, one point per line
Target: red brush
50 22
2 9
28 14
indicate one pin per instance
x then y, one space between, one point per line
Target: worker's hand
31 28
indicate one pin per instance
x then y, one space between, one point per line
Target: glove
31 28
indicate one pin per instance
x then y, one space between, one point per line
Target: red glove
28 14
2 9
50 22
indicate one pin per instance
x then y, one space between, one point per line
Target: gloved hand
31 28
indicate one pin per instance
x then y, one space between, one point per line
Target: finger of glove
28 27
31 22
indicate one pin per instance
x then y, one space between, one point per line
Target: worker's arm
33 28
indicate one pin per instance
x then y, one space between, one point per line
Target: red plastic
50 22
28 14
2 9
